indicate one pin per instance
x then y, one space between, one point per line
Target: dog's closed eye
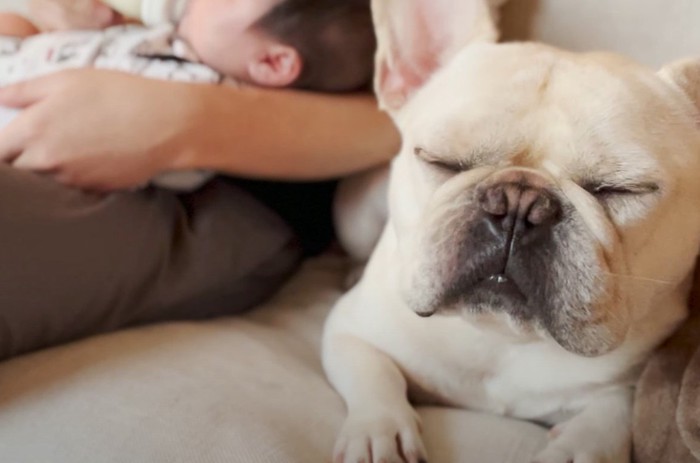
603 190
624 201
449 166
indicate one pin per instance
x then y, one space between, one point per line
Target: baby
320 45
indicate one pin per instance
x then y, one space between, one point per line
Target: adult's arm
108 130
287 134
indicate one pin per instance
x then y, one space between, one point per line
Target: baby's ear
279 66
417 37
685 75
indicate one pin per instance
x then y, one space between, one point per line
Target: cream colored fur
613 142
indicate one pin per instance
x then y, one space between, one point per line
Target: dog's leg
381 426
360 212
601 433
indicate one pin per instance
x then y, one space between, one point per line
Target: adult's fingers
35 158
73 180
15 137
28 93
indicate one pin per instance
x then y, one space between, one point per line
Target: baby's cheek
225 60
226 56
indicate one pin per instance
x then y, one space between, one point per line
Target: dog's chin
485 295
497 304
500 293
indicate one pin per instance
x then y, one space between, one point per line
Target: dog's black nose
517 210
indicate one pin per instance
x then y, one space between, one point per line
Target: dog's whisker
644 279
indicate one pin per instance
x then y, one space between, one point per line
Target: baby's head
322 45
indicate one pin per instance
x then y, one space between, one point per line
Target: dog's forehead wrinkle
483 124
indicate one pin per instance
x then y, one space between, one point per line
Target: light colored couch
250 389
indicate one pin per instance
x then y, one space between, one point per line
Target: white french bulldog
544 219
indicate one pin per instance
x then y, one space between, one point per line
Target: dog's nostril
510 206
544 209
495 202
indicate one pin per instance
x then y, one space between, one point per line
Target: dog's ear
685 74
417 37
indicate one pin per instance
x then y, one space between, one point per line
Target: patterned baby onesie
150 52
156 53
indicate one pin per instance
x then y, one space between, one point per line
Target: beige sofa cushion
249 390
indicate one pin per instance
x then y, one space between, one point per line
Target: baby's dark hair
334 38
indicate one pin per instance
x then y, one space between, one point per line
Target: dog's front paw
381 438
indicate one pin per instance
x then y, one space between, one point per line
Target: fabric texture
76 264
155 52
666 412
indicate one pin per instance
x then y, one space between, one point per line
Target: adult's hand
72 14
96 130
106 130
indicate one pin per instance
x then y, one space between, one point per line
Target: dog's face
553 192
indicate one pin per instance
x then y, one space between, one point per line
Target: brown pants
74 264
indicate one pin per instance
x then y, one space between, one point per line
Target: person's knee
264 282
